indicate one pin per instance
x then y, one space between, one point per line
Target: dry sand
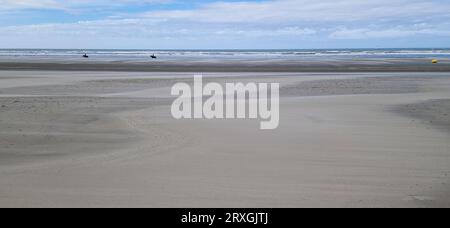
99 139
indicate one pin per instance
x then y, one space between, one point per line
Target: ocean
223 55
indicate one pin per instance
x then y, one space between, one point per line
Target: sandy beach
332 65
94 138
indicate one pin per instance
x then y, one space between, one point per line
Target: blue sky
210 24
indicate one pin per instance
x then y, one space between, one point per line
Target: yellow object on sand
434 61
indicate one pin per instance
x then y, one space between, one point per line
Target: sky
224 24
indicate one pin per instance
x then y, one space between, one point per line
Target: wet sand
435 112
332 65
107 139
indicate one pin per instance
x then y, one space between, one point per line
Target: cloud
71 5
144 28
284 31
249 22
30 4
309 11
394 32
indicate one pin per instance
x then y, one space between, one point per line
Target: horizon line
225 49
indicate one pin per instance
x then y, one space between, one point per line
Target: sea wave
229 54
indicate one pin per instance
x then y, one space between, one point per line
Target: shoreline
341 66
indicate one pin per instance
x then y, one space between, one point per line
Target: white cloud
70 5
308 11
285 31
30 4
263 12
144 28
251 21
397 32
